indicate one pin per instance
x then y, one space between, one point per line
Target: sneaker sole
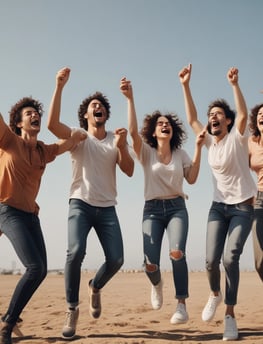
94 315
177 322
68 338
228 338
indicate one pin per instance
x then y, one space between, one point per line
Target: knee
230 262
119 262
151 267
211 265
75 255
115 264
43 273
176 255
37 272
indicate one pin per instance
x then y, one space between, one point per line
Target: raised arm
126 89
125 161
59 129
190 109
192 172
241 107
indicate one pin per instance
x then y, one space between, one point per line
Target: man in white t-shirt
92 196
231 213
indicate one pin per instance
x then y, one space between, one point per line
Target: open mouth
97 114
260 122
165 131
35 123
215 124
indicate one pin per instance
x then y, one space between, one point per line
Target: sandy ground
127 316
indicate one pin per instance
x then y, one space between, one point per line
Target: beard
100 124
215 132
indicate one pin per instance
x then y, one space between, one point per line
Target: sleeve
242 139
145 153
50 151
208 140
6 137
186 160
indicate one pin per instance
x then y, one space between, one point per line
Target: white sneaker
231 331
157 295
211 306
69 328
180 316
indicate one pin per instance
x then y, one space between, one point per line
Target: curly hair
253 120
149 124
15 114
84 106
221 103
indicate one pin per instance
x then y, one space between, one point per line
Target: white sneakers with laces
180 316
231 331
157 295
211 306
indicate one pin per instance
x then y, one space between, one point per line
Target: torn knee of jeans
151 267
176 254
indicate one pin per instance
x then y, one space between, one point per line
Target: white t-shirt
94 171
163 181
228 159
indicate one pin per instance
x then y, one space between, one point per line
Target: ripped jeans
170 215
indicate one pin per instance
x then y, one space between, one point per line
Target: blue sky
148 41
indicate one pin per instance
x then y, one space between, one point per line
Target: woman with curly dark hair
23 159
158 147
255 145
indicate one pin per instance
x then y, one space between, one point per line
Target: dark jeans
82 217
227 231
258 234
25 234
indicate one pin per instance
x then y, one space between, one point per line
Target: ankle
7 326
230 311
182 301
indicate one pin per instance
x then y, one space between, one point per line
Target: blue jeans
25 234
82 217
227 231
257 232
170 215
